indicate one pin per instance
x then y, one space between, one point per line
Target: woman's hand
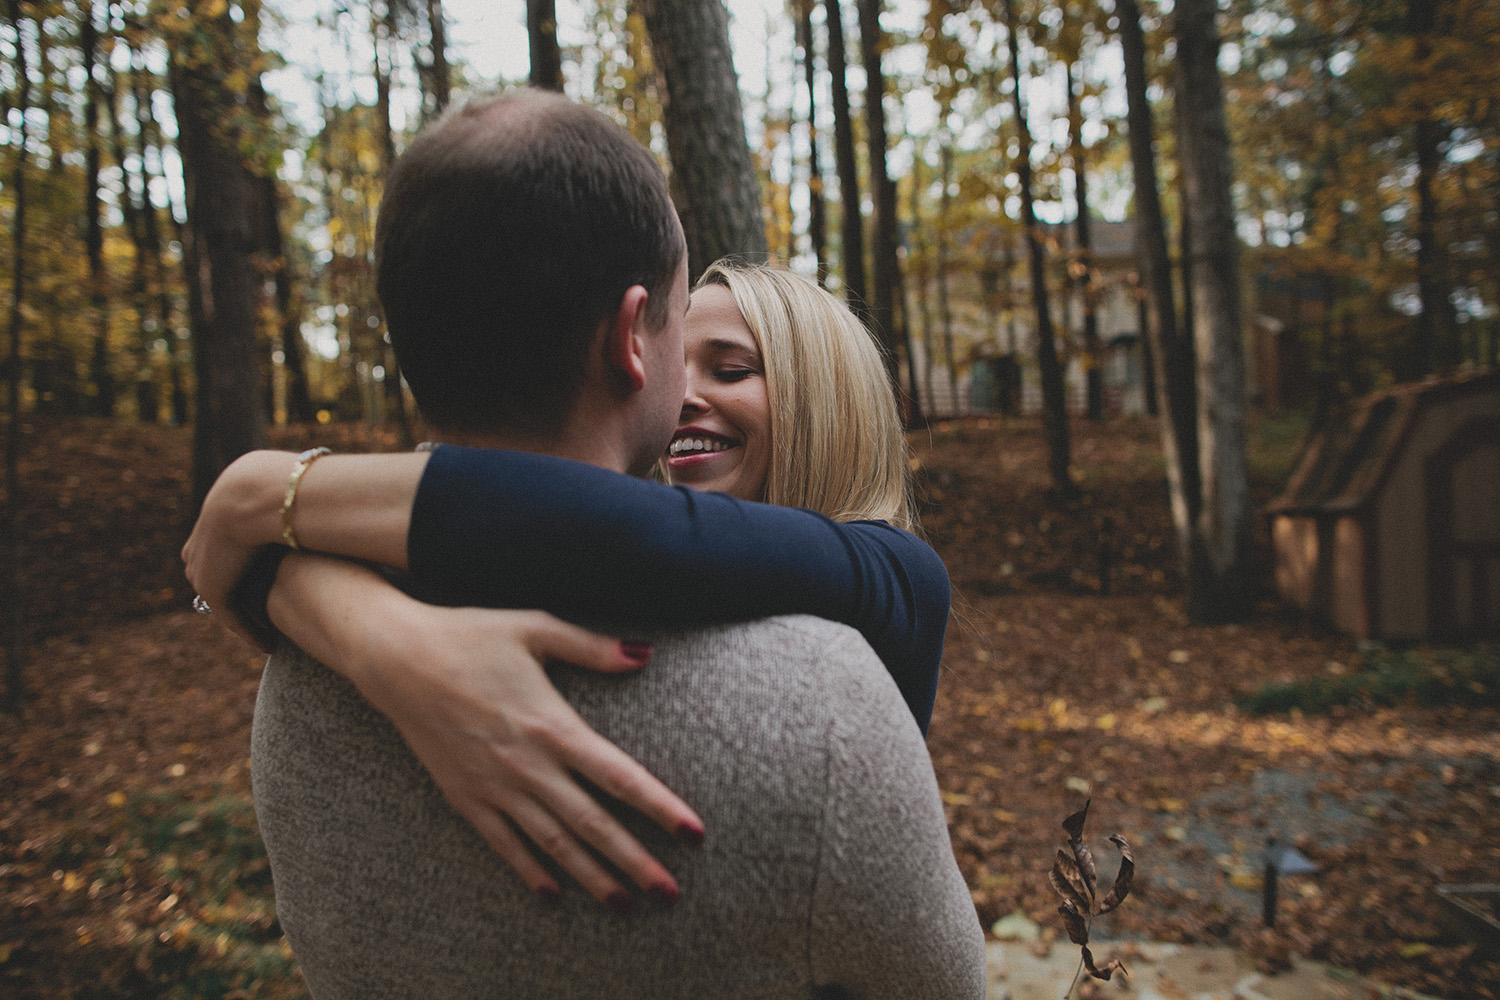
241 513
466 689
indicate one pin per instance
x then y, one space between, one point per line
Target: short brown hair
509 229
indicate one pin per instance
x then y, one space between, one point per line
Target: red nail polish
636 649
664 892
619 901
690 833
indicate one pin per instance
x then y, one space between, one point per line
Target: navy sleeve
512 529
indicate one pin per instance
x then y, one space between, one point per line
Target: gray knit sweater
827 871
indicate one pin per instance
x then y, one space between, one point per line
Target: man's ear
623 348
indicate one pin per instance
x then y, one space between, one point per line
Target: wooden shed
1389 526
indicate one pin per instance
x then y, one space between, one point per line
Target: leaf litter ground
129 864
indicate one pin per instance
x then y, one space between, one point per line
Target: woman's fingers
598 760
621 777
604 765
513 757
561 816
552 638
560 842
543 800
496 832
527 778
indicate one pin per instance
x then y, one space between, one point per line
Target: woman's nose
692 399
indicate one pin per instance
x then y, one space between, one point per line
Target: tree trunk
913 416
944 261
179 341
1173 365
1221 584
1184 219
218 249
57 123
852 231
781 236
1435 343
298 400
15 649
546 55
1012 338
395 396
132 196
442 76
100 370
54 368
1054 394
338 275
1489 353
1093 351
884 224
158 284
1148 357
299 404
920 278
383 40
817 209
132 188
713 172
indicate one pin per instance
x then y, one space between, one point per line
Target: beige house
1389 526
990 322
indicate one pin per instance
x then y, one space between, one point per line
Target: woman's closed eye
735 374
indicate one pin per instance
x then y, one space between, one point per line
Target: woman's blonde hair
836 441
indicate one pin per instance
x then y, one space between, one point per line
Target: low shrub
1427 676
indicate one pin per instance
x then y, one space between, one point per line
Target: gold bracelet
304 462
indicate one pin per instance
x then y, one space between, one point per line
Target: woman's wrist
247 497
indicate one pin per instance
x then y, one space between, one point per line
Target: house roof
1344 463
1109 239
1112 241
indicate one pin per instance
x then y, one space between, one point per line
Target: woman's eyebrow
723 344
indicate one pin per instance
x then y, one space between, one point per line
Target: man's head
510 232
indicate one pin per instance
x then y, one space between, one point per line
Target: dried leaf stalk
1075 878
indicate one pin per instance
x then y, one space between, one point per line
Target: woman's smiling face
723 439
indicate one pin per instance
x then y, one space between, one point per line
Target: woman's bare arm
528 530
350 505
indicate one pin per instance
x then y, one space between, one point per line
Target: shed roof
1344 463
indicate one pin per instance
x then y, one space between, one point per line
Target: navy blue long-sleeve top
513 529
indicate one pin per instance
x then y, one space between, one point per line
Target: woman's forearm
326 606
358 506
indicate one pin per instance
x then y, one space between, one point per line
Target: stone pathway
1222 850
1020 971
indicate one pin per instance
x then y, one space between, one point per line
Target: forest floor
130 866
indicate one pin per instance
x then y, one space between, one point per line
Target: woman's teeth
697 446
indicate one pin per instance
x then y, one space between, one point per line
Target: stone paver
1020 971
